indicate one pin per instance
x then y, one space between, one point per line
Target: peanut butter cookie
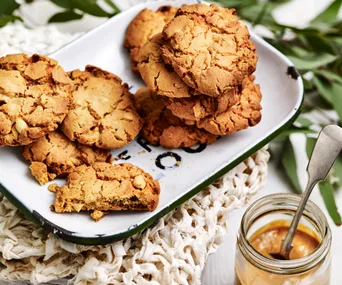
147 101
199 107
102 112
145 25
161 127
246 113
209 48
158 76
35 95
55 155
106 187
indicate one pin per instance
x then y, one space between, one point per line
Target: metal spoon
326 150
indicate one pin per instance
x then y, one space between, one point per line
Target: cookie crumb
98 215
40 172
53 188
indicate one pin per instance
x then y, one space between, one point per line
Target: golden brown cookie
158 76
163 128
199 107
55 155
35 95
146 101
246 113
102 112
106 187
209 48
145 25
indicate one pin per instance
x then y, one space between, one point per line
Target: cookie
158 76
102 112
199 107
145 25
106 187
209 48
246 113
55 155
35 95
147 101
161 127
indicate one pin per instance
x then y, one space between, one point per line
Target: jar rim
285 266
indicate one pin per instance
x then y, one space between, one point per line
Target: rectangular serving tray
181 172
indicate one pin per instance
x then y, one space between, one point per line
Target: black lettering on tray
199 148
124 155
141 141
175 156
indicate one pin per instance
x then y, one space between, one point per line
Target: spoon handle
324 154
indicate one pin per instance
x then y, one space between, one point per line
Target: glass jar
252 268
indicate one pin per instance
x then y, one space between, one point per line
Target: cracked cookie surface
199 107
106 187
161 127
102 112
209 48
55 155
246 113
35 95
158 76
144 26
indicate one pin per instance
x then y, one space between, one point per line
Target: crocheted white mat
172 252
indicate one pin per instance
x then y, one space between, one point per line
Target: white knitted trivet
172 252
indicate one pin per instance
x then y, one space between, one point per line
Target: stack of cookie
198 71
67 123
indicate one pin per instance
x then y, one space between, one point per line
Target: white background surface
220 266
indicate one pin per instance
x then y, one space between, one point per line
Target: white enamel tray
182 172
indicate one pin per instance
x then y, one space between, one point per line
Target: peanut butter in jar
264 226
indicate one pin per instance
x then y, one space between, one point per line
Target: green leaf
310 144
329 15
288 160
335 89
65 17
337 170
332 92
90 7
258 14
236 3
327 192
307 84
298 51
7 7
63 3
296 130
318 43
320 85
329 75
304 122
5 19
312 61
114 7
